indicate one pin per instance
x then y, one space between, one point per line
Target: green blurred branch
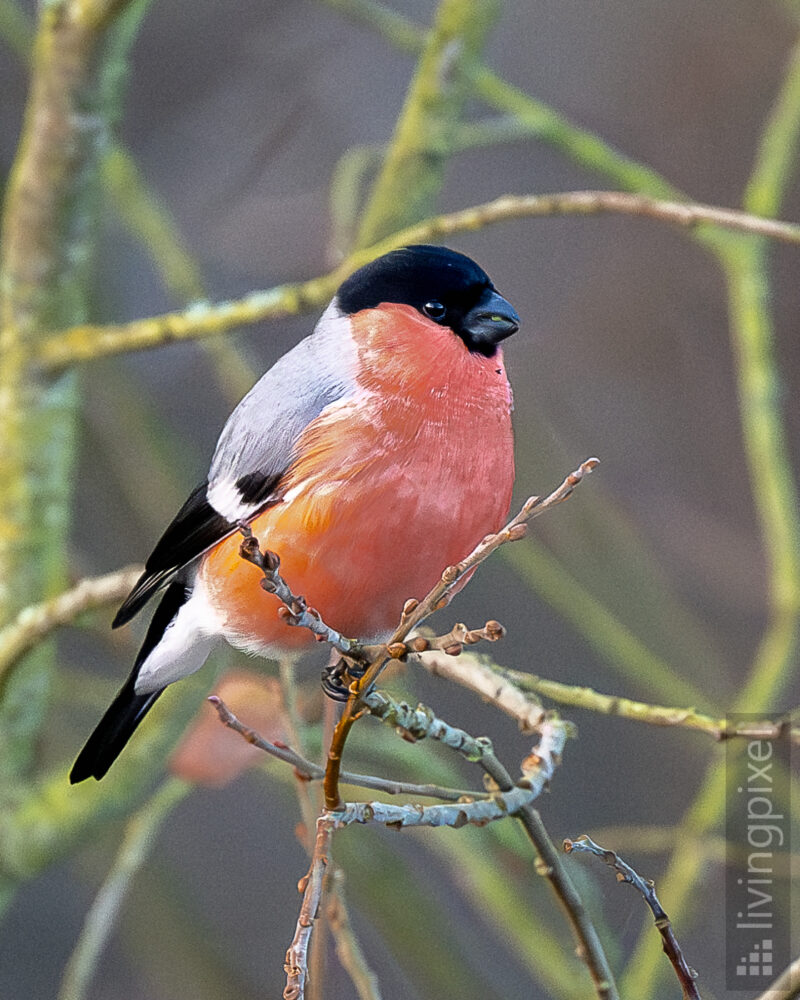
656 715
146 218
355 164
149 221
610 638
582 147
151 224
37 621
87 342
479 673
413 171
138 841
348 949
48 225
15 29
774 493
52 817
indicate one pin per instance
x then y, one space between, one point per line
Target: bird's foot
338 677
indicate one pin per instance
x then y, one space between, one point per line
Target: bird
373 454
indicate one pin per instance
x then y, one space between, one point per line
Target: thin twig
686 975
415 612
348 949
538 768
310 771
35 622
296 611
296 964
499 807
589 946
508 800
138 841
520 688
336 917
88 341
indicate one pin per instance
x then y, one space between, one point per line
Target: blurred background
651 583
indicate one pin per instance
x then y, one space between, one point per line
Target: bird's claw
337 678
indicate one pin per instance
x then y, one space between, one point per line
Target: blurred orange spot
211 753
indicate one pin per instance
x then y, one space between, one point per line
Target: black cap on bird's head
446 287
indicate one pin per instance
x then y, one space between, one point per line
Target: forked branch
686 975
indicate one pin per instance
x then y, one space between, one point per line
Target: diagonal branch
89 342
35 622
415 612
686 975
314 772
516 692
499 805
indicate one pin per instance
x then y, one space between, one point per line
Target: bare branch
296 964
451 644
415 612
473 672
686 975
88 342
482 675
499 805
297 613
537 769
314 772
138 841
35 622
348 950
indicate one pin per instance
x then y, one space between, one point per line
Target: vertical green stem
775 496
413 171
47 238
140 834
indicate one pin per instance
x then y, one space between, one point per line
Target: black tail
129 708
112 733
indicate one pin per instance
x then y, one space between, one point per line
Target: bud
450 575
494 631
211 753
419 644
410 606
454 649
517 532
397 650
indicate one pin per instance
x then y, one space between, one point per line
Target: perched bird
373 454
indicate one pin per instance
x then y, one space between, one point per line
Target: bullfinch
373 454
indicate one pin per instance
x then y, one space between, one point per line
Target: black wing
195 528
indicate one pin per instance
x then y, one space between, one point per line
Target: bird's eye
435 310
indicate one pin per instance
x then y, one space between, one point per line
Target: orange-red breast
376 452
